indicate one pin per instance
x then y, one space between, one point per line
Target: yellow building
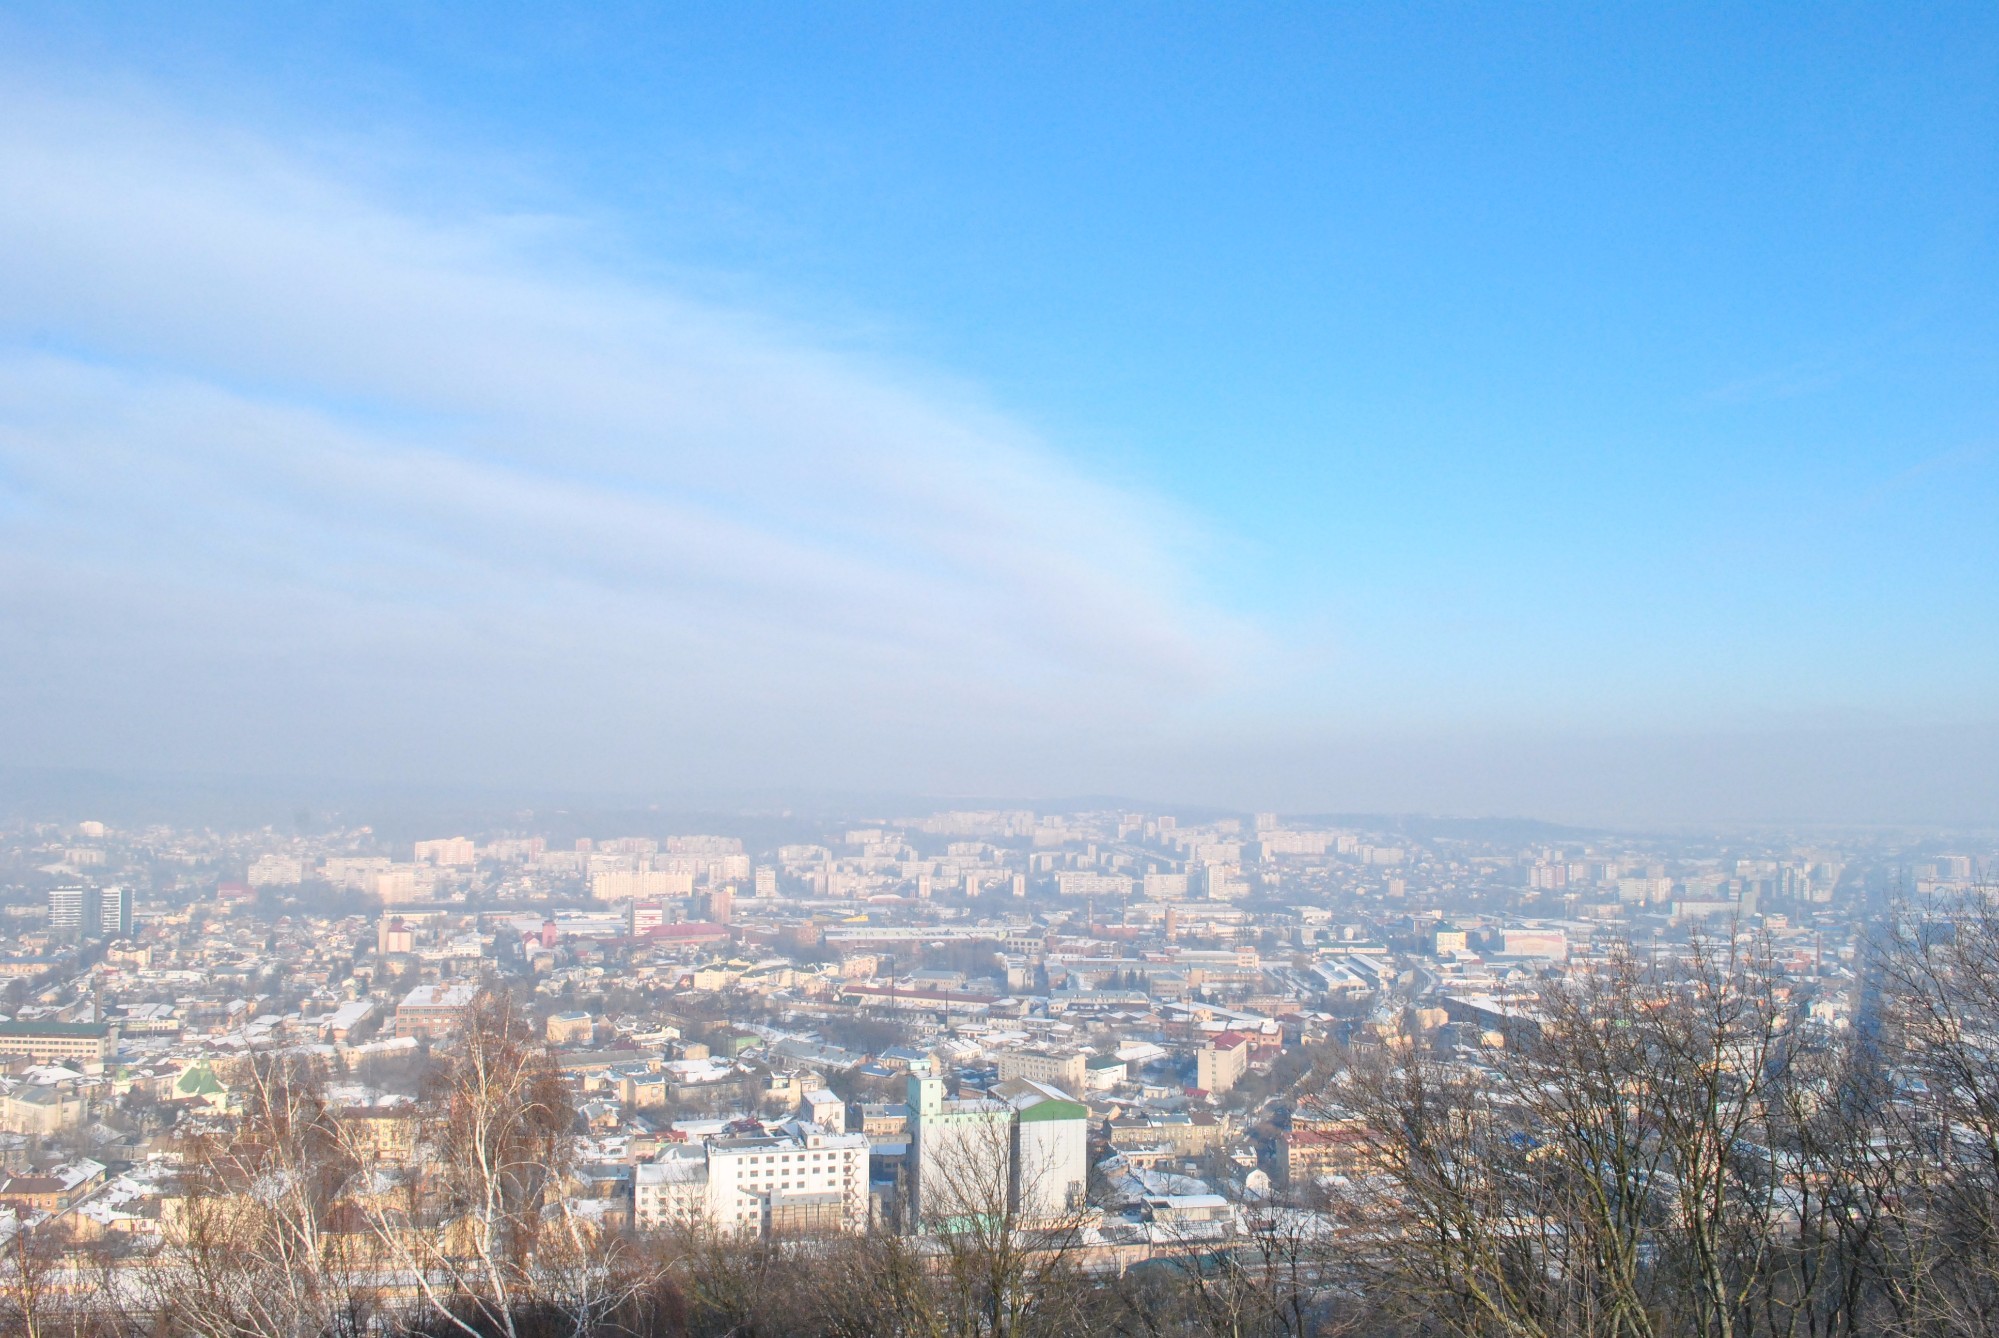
1063 1071
1222 1062
383 1133
41 1110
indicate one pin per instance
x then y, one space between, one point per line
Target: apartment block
1221 1062
1066 1071
799 1180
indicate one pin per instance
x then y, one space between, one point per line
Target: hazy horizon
1579 417
420 808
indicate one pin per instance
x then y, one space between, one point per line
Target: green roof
199 1081
1054 1110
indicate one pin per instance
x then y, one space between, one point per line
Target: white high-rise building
275 871
450 852
626 884
355 871
70 907
91 912
114 912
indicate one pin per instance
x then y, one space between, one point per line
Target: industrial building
1021 1149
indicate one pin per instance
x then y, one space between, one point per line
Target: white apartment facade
800 1179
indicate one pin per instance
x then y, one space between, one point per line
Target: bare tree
1616 1170
1261 1272
1940 973
1008 1258
1845 1177
476 1224
35 1300
251 1252
882 1283
1444 1229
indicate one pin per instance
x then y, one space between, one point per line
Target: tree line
1675 1151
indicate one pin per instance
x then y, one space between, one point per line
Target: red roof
904 992
688 929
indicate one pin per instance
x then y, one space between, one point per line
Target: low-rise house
54 1191
41 1110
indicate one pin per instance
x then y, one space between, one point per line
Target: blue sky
1457 408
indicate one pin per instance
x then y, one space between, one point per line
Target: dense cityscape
993 671
1130 1029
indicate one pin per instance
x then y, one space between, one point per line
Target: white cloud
293 477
